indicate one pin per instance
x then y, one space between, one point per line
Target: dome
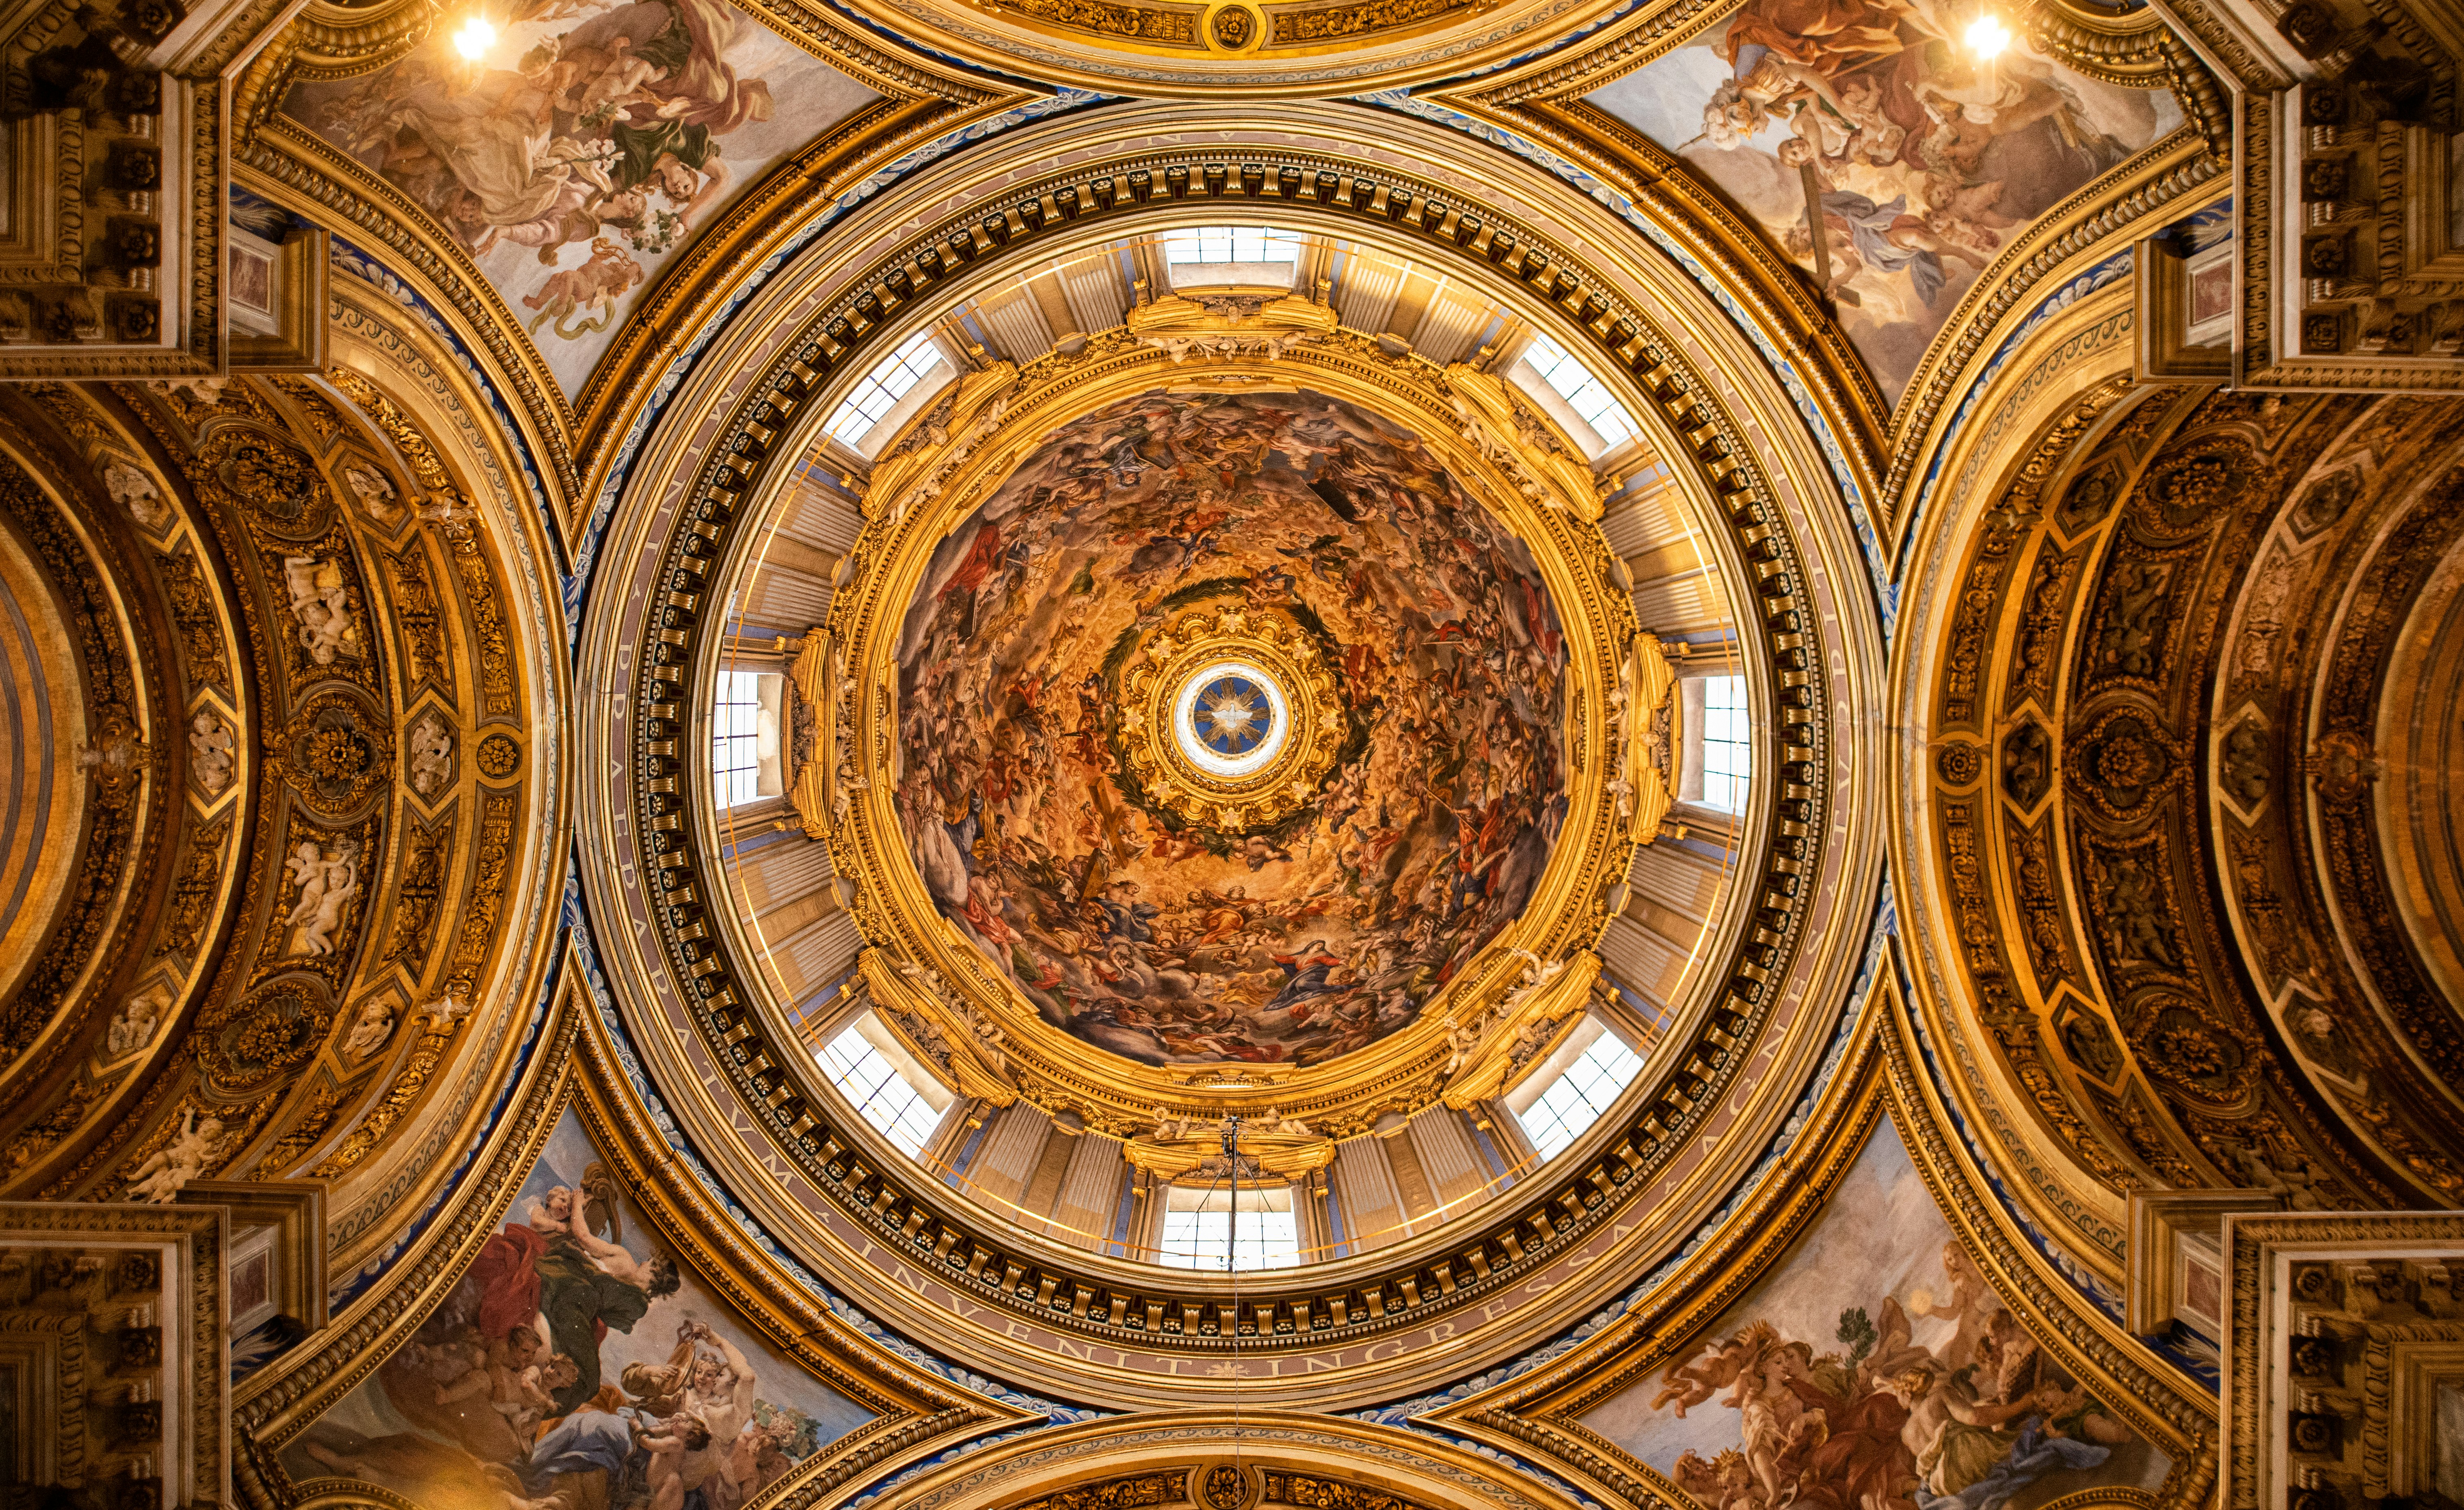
1204 841
1231 729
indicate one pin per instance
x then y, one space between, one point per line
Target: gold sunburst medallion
1231 717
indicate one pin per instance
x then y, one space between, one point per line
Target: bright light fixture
1987 37
476 37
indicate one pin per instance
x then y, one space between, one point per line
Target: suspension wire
1232 1267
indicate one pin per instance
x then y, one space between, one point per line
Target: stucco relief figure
1875 1369
431 751
132 1027
321 601
184 1158
328 882
1871 125
576 1365
1165 940
375 492
133 490
212 751
369 1030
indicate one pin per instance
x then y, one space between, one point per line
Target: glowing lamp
476 37
1987 37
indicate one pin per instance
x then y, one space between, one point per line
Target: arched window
744 763
884 1084
1585 394
1555 1110
879 391
1201 1223
1725 752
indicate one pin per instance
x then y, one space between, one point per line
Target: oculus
1242 751
1230 716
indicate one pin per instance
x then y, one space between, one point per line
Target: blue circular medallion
1231 715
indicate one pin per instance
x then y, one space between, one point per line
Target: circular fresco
1230 728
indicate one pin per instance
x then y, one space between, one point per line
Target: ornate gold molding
1405 1071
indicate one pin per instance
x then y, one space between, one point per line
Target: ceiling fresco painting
1193 754
577 1363
1317 913
593 143
1875 1369
1925 160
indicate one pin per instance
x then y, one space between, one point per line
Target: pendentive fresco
591 146
576 1365
1924 161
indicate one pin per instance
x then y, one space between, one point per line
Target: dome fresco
1318 913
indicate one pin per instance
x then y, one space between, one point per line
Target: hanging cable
1232 1267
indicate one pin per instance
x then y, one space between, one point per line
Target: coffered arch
356 777
2144 801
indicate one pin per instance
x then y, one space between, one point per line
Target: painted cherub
1691 1382
669 1443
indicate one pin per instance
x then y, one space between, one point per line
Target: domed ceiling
1774 672
1232 728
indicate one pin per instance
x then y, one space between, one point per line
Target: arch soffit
2056 412
469 654
1177 1446
418 394
2067 383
